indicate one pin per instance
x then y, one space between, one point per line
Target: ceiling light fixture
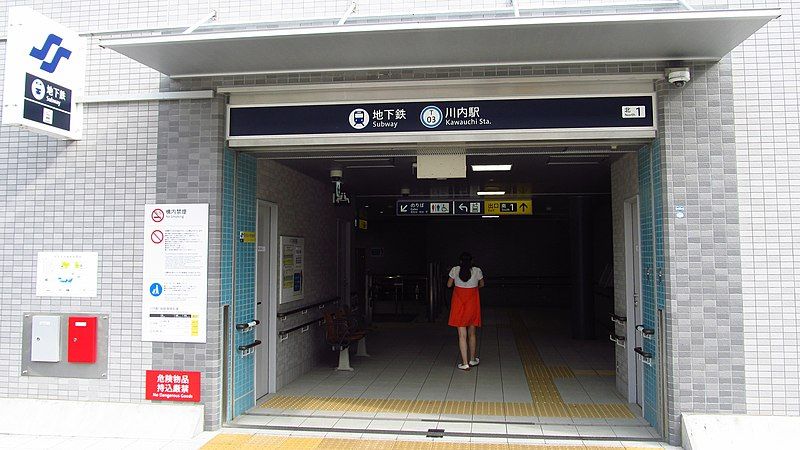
491 192
491 167
490 217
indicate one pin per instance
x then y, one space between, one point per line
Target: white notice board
292 259
66 274
175 273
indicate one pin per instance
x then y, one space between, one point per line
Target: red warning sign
172 385
157 215
157 236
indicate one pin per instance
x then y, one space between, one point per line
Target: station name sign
45 66
464 207
441 116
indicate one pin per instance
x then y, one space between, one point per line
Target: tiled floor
533 382
19 441
332 441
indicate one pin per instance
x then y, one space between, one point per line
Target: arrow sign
468 207
508 207
403 208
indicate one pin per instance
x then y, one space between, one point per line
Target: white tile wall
765 82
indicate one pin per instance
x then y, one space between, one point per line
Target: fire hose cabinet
82 340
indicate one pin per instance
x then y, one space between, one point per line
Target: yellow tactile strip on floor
262 441
547 400
538 408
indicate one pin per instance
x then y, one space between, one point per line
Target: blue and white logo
41 53
359 118
431 116
156 289
38 89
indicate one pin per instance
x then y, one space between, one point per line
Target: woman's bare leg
473 343
462 344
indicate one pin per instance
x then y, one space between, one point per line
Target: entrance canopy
685 36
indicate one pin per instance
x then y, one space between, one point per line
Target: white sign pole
175 273
44 75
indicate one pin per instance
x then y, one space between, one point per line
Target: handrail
243 348
290 330
320 305
617 339
622 320
647 357
247 326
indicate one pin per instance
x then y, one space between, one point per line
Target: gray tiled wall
704 322
624 185
79 196
304 210
191 137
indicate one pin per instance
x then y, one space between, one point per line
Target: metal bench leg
344 360
361 350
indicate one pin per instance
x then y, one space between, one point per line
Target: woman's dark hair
465 272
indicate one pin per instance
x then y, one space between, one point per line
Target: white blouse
474 279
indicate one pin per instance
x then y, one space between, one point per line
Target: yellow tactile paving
262 441
544 405
547 401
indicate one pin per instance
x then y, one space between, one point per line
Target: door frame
271 309
631 281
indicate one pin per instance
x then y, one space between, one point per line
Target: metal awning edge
612 38
769 14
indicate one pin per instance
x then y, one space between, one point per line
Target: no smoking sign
157 215
157 236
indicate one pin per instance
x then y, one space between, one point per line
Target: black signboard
424 208
468 207
523 114
47 103
440 208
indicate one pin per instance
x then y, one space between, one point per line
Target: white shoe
463 366
475 361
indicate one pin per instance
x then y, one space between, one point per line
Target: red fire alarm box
82 336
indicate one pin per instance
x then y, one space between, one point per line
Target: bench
339 335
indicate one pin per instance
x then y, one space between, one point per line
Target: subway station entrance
547 362
537 204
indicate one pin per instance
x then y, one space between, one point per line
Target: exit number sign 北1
508 207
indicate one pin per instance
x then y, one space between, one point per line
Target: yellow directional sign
508 207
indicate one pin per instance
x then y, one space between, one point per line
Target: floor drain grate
435 432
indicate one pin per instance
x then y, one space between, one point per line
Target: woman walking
465 307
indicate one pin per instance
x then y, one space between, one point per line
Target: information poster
66 274
175 273
292 256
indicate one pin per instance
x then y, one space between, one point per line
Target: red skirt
465 308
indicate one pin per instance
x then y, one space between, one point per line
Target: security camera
678 76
